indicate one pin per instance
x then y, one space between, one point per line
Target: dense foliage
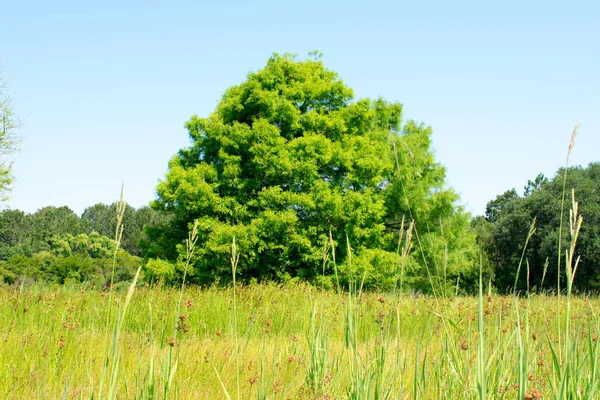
72 259
55 245
289 160
508 218
102 218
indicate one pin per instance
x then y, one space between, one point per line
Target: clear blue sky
104 87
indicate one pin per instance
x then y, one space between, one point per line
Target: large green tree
289 158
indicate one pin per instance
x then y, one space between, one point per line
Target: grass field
294 342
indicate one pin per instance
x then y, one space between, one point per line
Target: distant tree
483 230
26 234
92 246
511 215
55 245
52 221
72 259
84 258
288 159
19 268
15 233
535 184
102 218
158 237
142 217
497 206
8 139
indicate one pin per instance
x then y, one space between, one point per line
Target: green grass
294 342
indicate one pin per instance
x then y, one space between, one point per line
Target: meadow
294 341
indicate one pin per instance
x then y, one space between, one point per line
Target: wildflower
276 386
185 327
188 303
533 394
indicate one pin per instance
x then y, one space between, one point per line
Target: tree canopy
102 218
510 215
22 233
55 245
288 160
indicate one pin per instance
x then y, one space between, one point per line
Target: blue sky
104 88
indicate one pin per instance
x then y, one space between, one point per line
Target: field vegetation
295 342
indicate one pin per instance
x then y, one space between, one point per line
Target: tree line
54 244
503 231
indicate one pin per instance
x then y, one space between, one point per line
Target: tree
8 141
52 221
26 234
88 258
102 218
72 259
15 233
511 216
287 161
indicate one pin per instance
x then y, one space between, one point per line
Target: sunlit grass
294 342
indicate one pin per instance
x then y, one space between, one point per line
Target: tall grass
295 342
113 357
